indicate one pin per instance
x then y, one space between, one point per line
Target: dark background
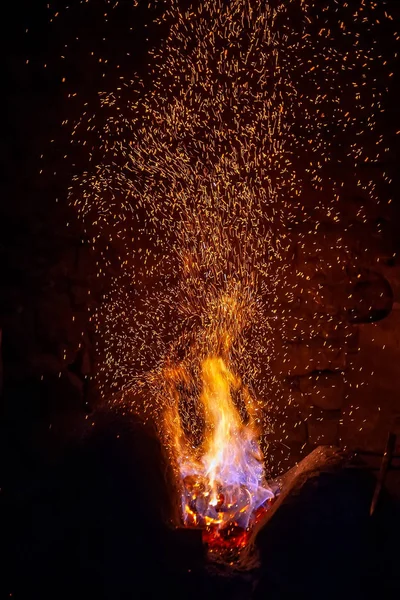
69 489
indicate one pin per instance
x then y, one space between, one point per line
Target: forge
226 499
292 541
222 481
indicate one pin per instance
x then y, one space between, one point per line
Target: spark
209 183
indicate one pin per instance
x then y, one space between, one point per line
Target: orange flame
223 482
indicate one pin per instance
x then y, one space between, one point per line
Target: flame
222 481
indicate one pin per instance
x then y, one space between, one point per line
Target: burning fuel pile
224 489
197 181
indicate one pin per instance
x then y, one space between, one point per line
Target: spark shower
199 178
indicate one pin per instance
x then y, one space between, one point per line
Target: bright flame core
223 482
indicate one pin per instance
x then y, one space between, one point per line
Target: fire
223 485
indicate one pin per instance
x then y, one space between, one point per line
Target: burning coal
222 481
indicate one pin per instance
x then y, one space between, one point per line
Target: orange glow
222 481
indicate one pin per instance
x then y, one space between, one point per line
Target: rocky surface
324 390
338 353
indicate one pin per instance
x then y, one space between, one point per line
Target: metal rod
385 465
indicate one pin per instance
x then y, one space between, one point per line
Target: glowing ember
223 482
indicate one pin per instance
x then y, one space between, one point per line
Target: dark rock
370 299
84 264
323 390
316 298
66 264
392 275
352 339
290 426
79 295
323 428
295 326
323 254
54 321
303 358
45 364
76 383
